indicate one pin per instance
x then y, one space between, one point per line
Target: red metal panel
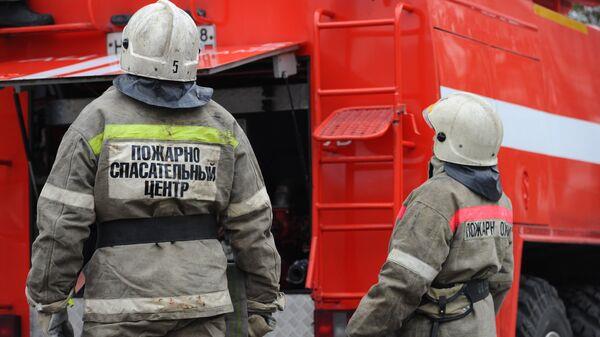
571 71
506 321
463 63
19 71
359 186
544 189
14 211
560 196
503 24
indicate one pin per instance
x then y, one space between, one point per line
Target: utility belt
445 304
155 230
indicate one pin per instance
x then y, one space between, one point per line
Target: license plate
208 37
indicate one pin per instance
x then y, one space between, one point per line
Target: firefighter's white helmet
468 130
161 41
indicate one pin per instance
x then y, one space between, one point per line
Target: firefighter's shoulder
440 193
91 120
218 112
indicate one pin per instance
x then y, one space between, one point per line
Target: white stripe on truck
537 131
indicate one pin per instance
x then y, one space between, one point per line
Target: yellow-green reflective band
96 143
203 134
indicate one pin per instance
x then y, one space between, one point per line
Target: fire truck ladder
356 124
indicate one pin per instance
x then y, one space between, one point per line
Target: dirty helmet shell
468 130
161 41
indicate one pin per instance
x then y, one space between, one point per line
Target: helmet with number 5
468 130
161 41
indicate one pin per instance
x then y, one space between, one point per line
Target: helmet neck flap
164 94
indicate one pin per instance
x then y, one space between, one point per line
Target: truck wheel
541 311
583 309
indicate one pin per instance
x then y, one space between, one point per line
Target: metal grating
297 319
355 123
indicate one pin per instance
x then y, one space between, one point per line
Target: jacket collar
484 181
164 94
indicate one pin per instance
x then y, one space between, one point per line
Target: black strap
474 290
435 328
155 230
477 290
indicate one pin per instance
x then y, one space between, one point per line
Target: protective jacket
123 159
445 236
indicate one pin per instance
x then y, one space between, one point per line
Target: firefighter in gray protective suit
450 261
160 167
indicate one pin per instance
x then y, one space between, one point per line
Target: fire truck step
357 123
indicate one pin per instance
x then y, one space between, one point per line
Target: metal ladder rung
357 159
357 205
356 227
409 144
356 91
356 23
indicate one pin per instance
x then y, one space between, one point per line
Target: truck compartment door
85 68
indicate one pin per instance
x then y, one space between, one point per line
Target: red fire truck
330 94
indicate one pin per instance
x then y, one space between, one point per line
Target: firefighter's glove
56 324
260 325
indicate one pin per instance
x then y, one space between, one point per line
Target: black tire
541 311
583 309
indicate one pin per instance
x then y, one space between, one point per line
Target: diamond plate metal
297 319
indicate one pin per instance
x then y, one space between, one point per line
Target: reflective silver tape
258 201
413 264
145 305
70 198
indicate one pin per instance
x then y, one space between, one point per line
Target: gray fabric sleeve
501 282
418 248
64 213
247 220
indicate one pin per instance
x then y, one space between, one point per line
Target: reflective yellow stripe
559 18
96 143
203 134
